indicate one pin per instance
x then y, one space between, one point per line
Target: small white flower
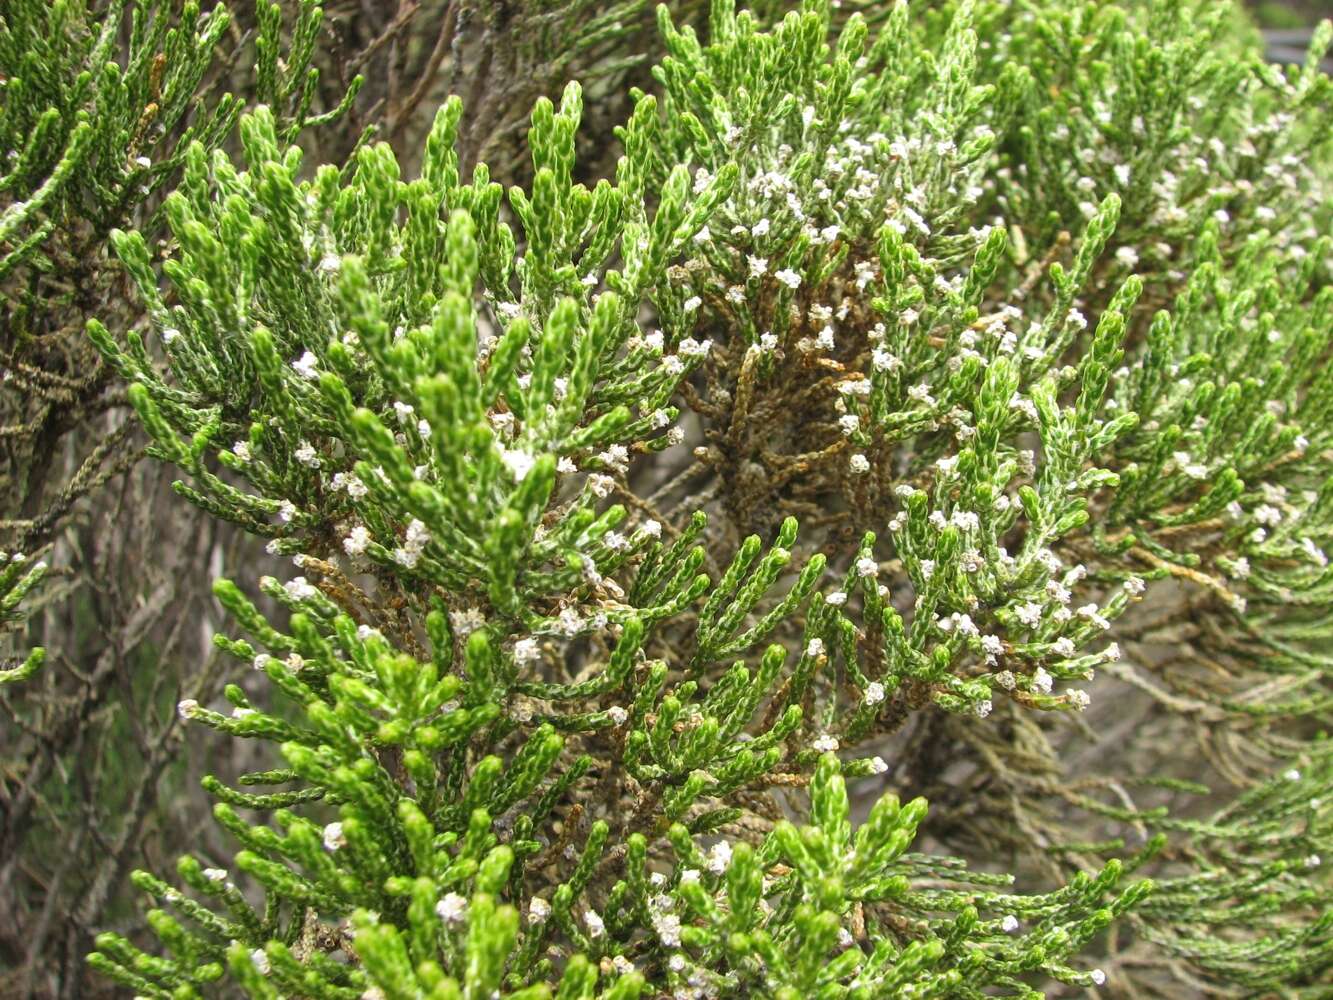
814 647
965 520
451 908
963 624
837 599
1058 591
719 857
538 910
215 874
652 528
1267 514
170 334
1079 699
307 366
874 693
1029 614
601 485
1042 681
527 651
858 463
617 715
333 837
305 454
519 463
1098 976
187 708
789 278
241 450
1092 613
1009 924
758 266
356 541
260 961
1195 470
825 743
882 361
982 708
298 588
467 621
877 765
330 263
692 303
1292 775
866 566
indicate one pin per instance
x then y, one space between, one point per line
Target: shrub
1022 310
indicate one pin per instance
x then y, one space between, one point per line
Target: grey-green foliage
974 296
92 126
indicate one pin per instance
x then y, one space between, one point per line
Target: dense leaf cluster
1021 311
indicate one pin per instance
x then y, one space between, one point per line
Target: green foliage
563 750
17 580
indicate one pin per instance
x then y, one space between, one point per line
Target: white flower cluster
415 541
